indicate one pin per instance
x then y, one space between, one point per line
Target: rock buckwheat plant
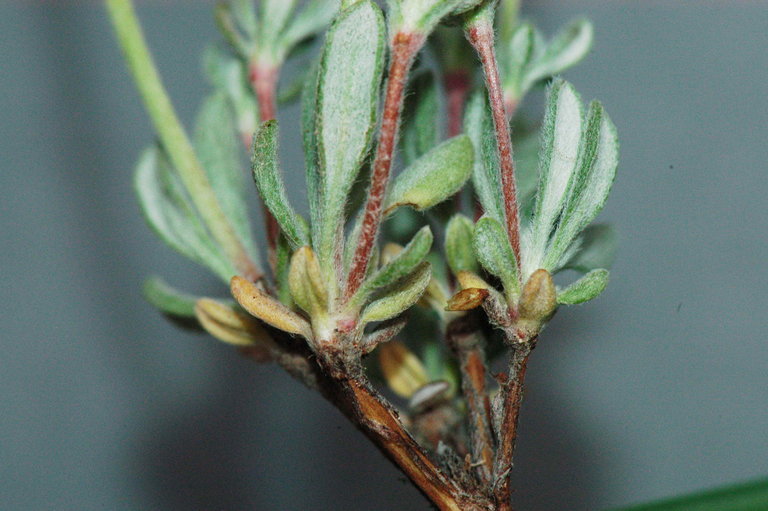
430 245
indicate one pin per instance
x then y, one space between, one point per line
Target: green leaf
266 173
584 289
411 256
399 297
228 73
219 151
422 16
493 250
567 48
458 244
594 248
751 496
350 75
309 125
520 53
171 214
283 257
486 179
592 182
434 177
421 126
245 14
526 143
168 299
273 18
558 158
312 19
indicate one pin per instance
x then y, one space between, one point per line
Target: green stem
172 134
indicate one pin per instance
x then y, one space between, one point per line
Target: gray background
658 387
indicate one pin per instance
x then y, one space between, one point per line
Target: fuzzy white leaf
170 213
478 125
218 147
348 95
591 183
558 157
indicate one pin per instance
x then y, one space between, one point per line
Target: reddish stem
456 89
480 35
404 47
263 80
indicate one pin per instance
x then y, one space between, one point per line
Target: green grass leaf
752 496
266 173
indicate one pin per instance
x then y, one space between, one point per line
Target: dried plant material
429 395
403 371
468 279
306 282
267 309
467 299
539 298
230 326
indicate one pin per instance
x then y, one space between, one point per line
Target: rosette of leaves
578 158
340 107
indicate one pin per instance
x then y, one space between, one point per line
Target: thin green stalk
173 136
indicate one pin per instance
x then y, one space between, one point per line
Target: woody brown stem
480 35
512 392
380 423
465 342
404 47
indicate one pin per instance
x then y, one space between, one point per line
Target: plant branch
404 48
463 338
481 37
512 392
173 136
380 423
